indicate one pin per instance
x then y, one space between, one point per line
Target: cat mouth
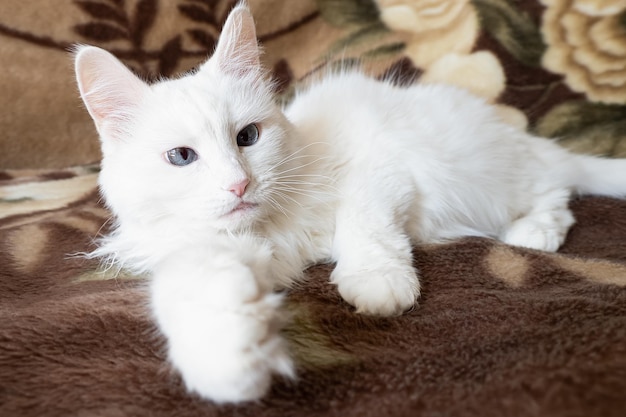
242 208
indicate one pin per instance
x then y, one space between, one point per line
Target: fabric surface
498 331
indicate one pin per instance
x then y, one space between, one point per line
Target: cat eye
248 136
181 156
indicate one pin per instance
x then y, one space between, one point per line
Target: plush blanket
498 331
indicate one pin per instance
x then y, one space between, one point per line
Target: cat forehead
195 111
214 93
189 92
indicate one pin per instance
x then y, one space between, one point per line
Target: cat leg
374 269
545 226
221 321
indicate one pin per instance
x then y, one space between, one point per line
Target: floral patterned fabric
498 331
557 67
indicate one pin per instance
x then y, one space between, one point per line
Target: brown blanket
499 331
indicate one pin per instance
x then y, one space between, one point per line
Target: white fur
354 171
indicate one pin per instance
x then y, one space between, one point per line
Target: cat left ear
237 50
111 92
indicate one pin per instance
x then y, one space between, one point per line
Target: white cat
222 196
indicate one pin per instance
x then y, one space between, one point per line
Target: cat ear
237 50
110 91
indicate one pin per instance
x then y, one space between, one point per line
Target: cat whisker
275 204
312 176
321 158
307 193
285 196
292 156
319 196
307 175
308 183
295 158
314 187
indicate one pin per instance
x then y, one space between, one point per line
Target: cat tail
600 176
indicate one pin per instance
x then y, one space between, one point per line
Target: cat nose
239 188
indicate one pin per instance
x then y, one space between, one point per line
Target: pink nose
239 188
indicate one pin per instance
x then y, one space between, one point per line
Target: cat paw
387 291
230 357
547 234
221 320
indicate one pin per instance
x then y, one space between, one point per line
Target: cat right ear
237 50
110 91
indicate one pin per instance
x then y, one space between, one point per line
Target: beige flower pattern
441 37
587 44
437 27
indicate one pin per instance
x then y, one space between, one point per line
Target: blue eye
248 136
181 156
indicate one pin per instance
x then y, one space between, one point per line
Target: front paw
381 291
230 356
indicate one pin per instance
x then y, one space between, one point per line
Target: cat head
189 154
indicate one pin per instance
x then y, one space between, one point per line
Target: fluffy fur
354 171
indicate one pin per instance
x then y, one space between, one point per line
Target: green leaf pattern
513 29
